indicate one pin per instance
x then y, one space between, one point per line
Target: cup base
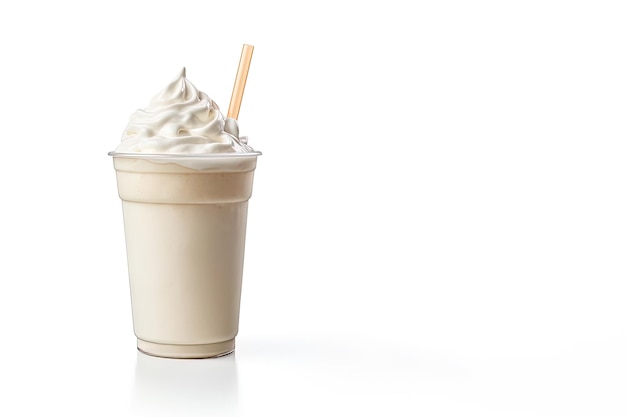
212 350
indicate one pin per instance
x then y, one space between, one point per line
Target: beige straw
240 81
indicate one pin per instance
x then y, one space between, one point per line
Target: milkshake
184 177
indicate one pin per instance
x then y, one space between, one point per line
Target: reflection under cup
175 386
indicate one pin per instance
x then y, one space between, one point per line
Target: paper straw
240 81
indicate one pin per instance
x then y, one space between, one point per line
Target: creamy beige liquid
185 235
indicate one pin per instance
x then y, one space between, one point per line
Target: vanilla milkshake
185 177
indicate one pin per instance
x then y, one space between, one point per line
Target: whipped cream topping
182 120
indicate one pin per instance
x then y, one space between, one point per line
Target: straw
240 81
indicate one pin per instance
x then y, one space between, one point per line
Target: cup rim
174 156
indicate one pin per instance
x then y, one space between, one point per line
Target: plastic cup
185 226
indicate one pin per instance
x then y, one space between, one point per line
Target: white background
437 226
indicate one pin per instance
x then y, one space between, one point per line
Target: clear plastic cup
185 225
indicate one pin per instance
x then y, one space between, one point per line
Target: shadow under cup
185 226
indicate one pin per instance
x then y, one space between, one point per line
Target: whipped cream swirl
181 120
